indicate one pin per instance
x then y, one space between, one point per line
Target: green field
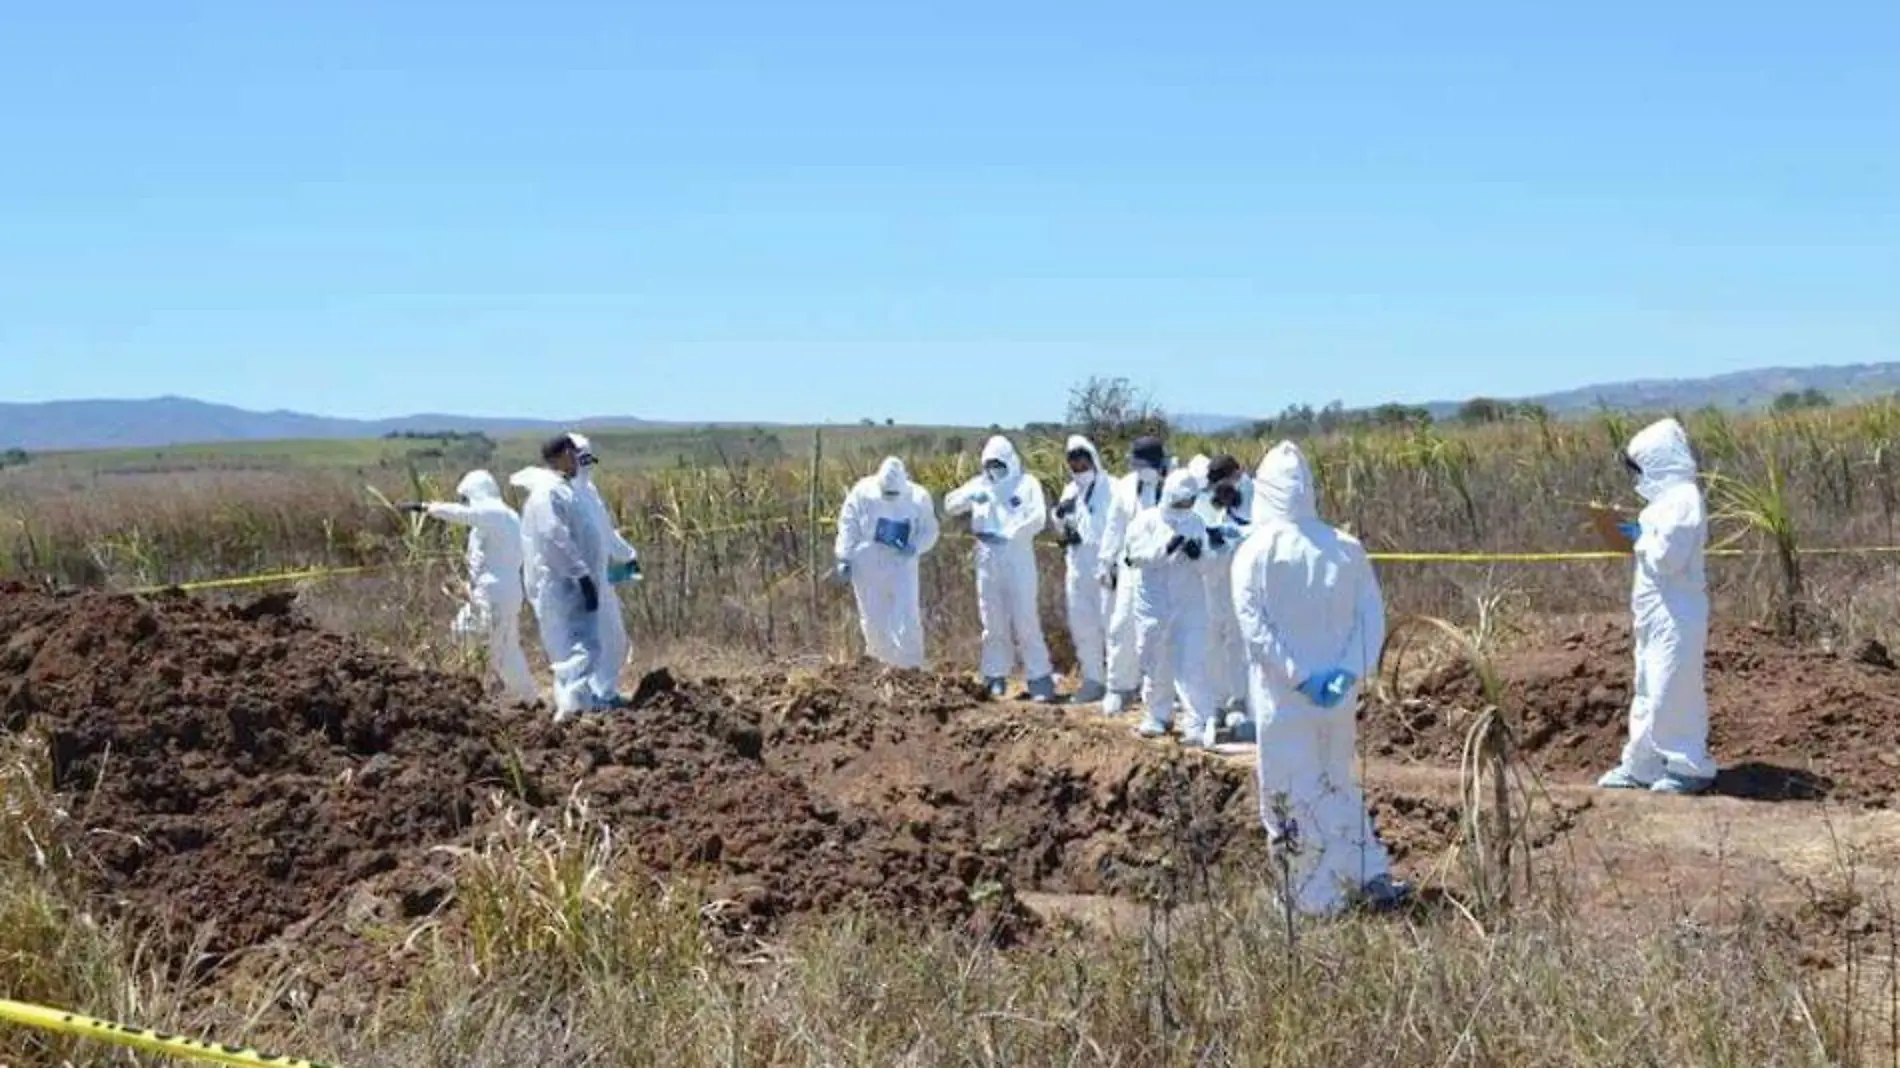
630 449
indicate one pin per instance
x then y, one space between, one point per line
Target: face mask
995 472
1083 479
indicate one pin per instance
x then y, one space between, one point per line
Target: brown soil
1786 722
241 779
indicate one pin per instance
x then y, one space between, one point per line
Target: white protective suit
883 577
1010 512
1308 601
1668 748
607 548
1082 515
1131 498
1171 611
1226 653
494 578
556 543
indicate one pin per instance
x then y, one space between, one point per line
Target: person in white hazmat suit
1668 749
1007 510
886 524
556 543
1080 518
493 608
1168 546
1313 619
1225 505
1135 492
613 562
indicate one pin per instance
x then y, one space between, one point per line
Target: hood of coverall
1283 486
1661 449
891 476
478 485
1181 488
999 449
1078 443
530 479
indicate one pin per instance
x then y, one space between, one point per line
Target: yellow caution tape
253 580
1495 558
1585 557
139 1038
1576 557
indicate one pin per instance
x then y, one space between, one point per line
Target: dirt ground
245 783
243 778
1786 722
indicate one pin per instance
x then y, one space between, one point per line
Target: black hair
558 445
1222 467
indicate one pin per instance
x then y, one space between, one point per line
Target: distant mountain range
1739 390
106 424
52 426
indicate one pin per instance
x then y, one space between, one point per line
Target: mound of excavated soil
1785 722
239 776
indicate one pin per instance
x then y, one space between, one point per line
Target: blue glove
1327 688
1231 532
618 574
989 538
1631 530
980 497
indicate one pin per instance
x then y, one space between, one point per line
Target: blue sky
927 211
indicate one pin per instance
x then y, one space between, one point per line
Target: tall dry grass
729 548
565 953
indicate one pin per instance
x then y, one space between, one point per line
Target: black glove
1226 496
1174 545
1065 509
412 507
590 594
1193 550
1215 538
1070 539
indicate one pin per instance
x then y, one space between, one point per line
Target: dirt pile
242 776
1786 722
